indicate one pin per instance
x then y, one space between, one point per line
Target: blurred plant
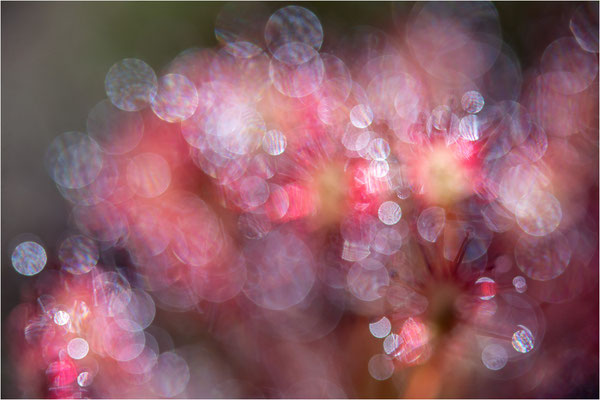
270 190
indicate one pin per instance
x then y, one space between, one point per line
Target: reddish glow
414 342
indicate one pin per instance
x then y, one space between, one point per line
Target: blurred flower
236 211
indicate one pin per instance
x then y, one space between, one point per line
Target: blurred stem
426 381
